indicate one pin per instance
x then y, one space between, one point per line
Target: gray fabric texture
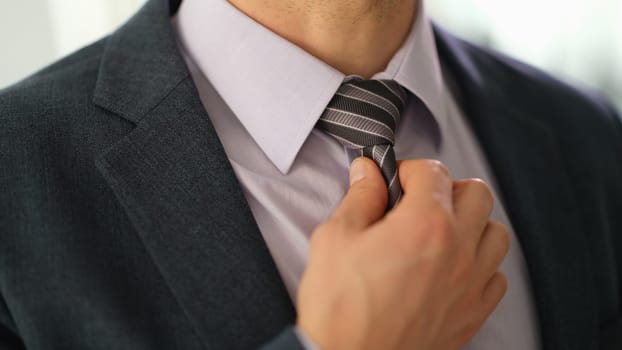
364 115
122 225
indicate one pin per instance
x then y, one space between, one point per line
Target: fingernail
358 170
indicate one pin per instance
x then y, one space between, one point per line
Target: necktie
364 115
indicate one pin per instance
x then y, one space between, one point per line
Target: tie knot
364 113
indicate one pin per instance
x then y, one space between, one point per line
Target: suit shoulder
63 84
538 91
51 115
582 123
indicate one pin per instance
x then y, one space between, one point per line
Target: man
159 188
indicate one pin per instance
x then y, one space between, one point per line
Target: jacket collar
140 65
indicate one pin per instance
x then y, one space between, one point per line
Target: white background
578 40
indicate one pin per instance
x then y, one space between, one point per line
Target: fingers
473 202
425 184
492 249
367 197
494 291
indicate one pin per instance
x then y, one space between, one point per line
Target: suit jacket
122 224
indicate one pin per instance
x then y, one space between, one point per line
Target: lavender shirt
264 95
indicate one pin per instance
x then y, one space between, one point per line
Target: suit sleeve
287 340
8 336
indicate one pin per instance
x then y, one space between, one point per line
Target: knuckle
464 267
503 284
496 289
437 167
418 165
502 234
438 224
439 220
481 189
433 230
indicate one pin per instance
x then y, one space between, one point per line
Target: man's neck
354 36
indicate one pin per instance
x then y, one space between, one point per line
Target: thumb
366 200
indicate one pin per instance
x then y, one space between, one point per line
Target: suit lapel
174 180
523 153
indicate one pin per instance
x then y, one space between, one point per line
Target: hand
423 277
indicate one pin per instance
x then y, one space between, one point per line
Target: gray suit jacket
122 224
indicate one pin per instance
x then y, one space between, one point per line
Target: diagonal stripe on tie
364 115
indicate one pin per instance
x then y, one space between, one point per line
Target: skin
343 33
423 277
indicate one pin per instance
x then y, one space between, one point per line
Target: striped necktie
364 115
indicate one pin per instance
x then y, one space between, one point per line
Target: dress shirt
264 96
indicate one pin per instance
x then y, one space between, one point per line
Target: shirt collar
277 90
416 66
